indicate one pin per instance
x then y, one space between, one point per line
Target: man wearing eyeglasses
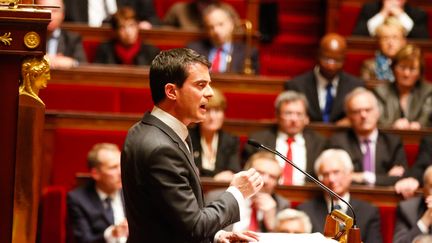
326 85
290 138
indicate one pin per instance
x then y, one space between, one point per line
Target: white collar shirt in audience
344 207
321 87
99 10
378 19
53 42
370 177
298 155
208 156
245 216
119 214
225 57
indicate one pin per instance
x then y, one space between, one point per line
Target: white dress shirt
370 177
119 215
378 19
99 10
299 155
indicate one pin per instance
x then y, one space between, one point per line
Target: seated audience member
189 15
127 48
225 54
95 210
406 103
293 221
95 13
290 138
391 38
327 84
216 153
414 216
373 14
335 170
414 176
258 213
64 48
378 158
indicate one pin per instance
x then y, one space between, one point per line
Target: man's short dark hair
171 66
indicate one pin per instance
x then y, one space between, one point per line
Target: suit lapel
61 42
312 93
339 98
98 206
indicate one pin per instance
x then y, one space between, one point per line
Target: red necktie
216 61
253 224
288 170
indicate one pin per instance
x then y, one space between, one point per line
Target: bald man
326 85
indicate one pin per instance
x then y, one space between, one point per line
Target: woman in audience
216 152
127 47
391 38
406 103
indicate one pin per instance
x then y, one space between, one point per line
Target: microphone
324 187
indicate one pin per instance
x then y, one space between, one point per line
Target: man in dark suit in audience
414 216
162 190
259 212
64 48
95 210
225 54
414 20
378 158
327 84
290 138
335 169
94 13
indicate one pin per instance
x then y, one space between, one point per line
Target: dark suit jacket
307 84
281 204
227 154
238 55
86 214
368 219
77 10
106 54
162 190
389 152
70 45
419 17
408 213
424 159
315 144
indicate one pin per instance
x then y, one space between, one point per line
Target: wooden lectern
22 34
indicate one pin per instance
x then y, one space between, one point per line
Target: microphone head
254 143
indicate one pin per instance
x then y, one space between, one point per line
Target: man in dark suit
78 11
162 190
378 158
414 216
414 20
259 212
64 48
95 210
220 48
304 146
326 85
334 169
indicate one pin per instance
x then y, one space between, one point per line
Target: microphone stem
333 194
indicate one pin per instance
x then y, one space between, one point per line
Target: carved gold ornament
32 40
6 39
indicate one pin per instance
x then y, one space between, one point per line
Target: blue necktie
328 103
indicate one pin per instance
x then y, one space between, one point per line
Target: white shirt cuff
406 21
108 234
374 22
216 237
369 177
423 228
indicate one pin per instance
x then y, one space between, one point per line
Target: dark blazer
227 154
86 214
315 144
70 45
424 159
162 190
105 53
389 152
281 204
307 84
419 17
368 219
408 213
77 10
238 55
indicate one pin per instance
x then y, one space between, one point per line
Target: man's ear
94 173
171 91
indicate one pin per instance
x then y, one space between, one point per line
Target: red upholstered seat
411 151
354 61
135 100
250 106
348 15
90 47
